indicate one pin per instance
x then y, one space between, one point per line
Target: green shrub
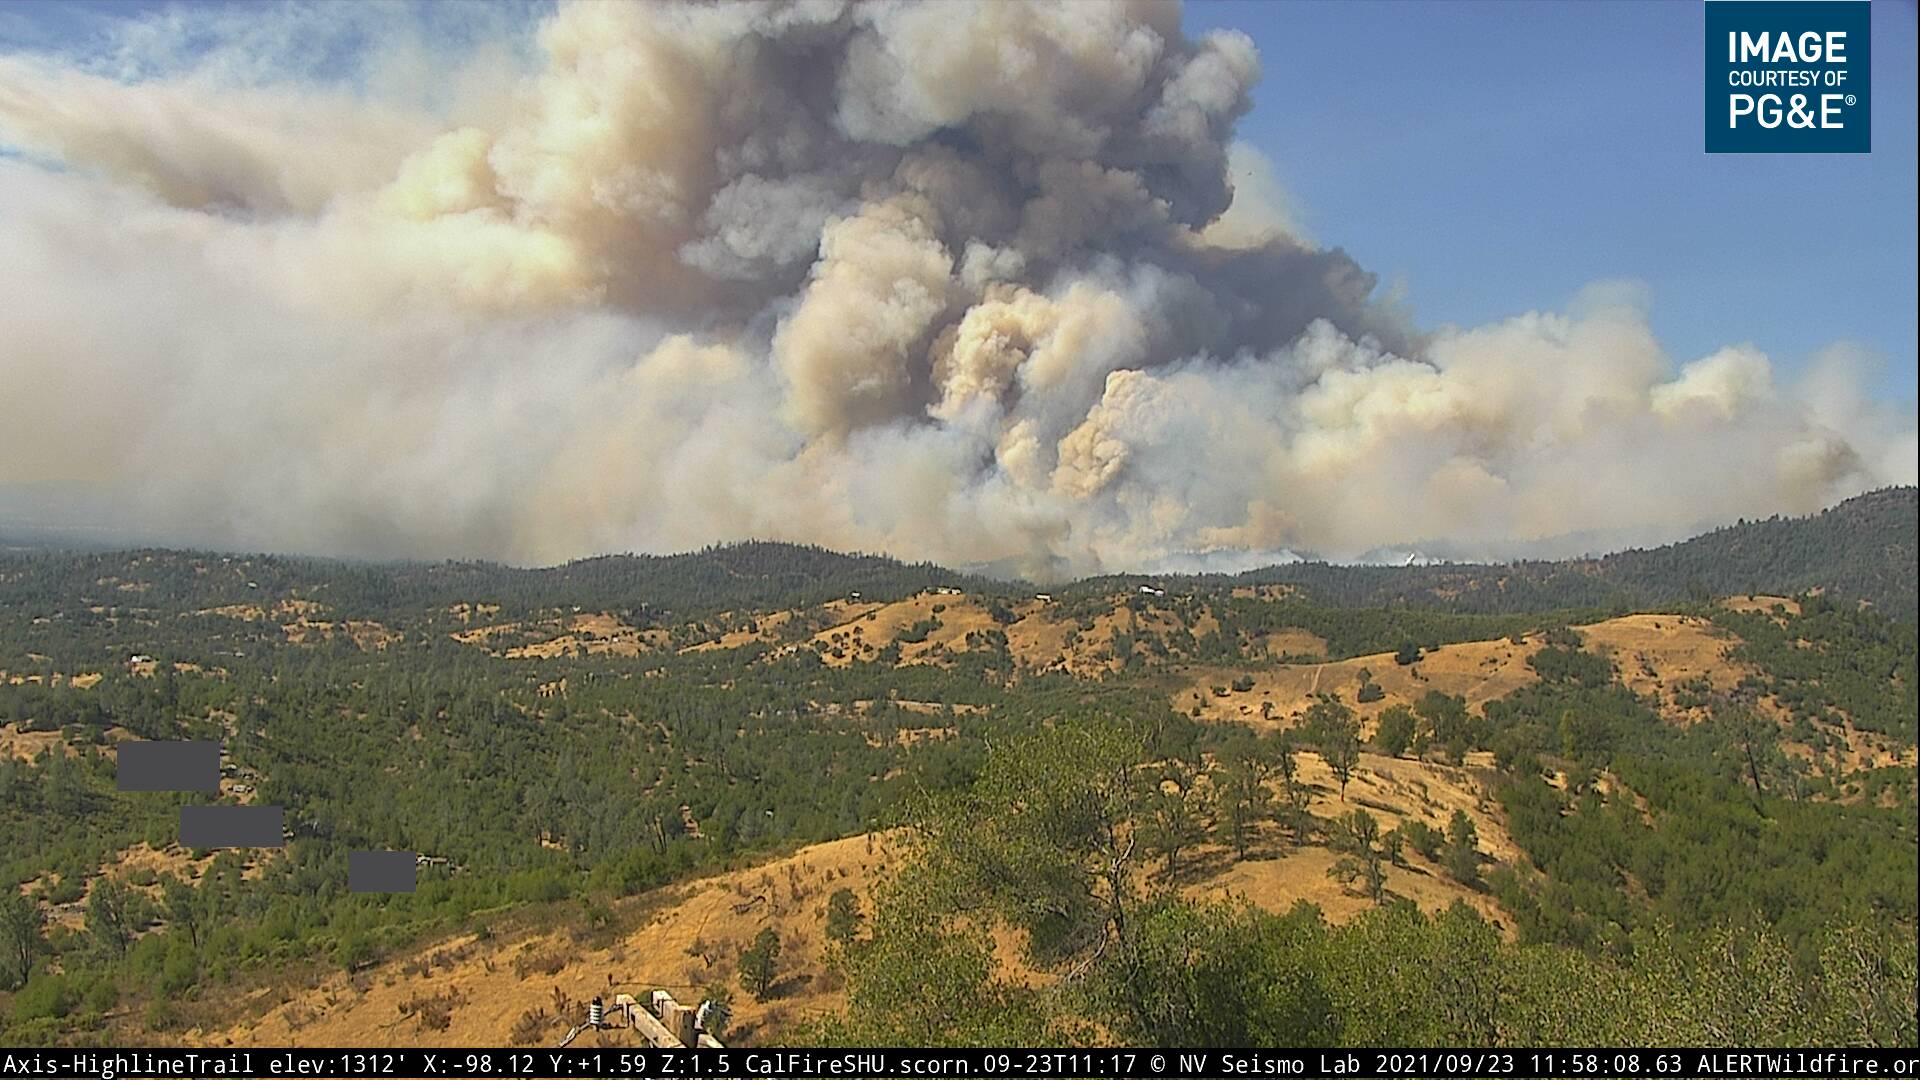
101 997
161 1015
46 995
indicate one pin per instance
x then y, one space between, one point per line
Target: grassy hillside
1085 794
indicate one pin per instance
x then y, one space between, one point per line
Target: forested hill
1862 549
735 577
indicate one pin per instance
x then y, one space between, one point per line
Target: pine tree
758 963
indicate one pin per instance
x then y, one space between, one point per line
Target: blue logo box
1789 77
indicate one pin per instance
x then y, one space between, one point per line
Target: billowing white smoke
959 282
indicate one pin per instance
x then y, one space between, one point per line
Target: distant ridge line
1863 548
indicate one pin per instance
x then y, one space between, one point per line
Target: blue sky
1491 158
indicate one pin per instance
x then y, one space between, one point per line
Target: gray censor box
231 826
168 766
380 871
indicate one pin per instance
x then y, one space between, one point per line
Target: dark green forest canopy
739 576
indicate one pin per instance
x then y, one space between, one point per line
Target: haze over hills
1863 549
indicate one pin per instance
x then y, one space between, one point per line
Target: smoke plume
987 284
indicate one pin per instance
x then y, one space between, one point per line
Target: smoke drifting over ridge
968 283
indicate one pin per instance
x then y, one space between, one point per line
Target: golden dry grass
243 612
82 681
1394 790
585 634
1039 641
364 633
139 868
1042 642
861 631
687 937
27 745
1294 641
1301 874
1657 656
468 612
766 627
1656 653
172 859
481 635
1762 604
1478 671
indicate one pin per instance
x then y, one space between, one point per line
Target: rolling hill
1864 548
622 771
